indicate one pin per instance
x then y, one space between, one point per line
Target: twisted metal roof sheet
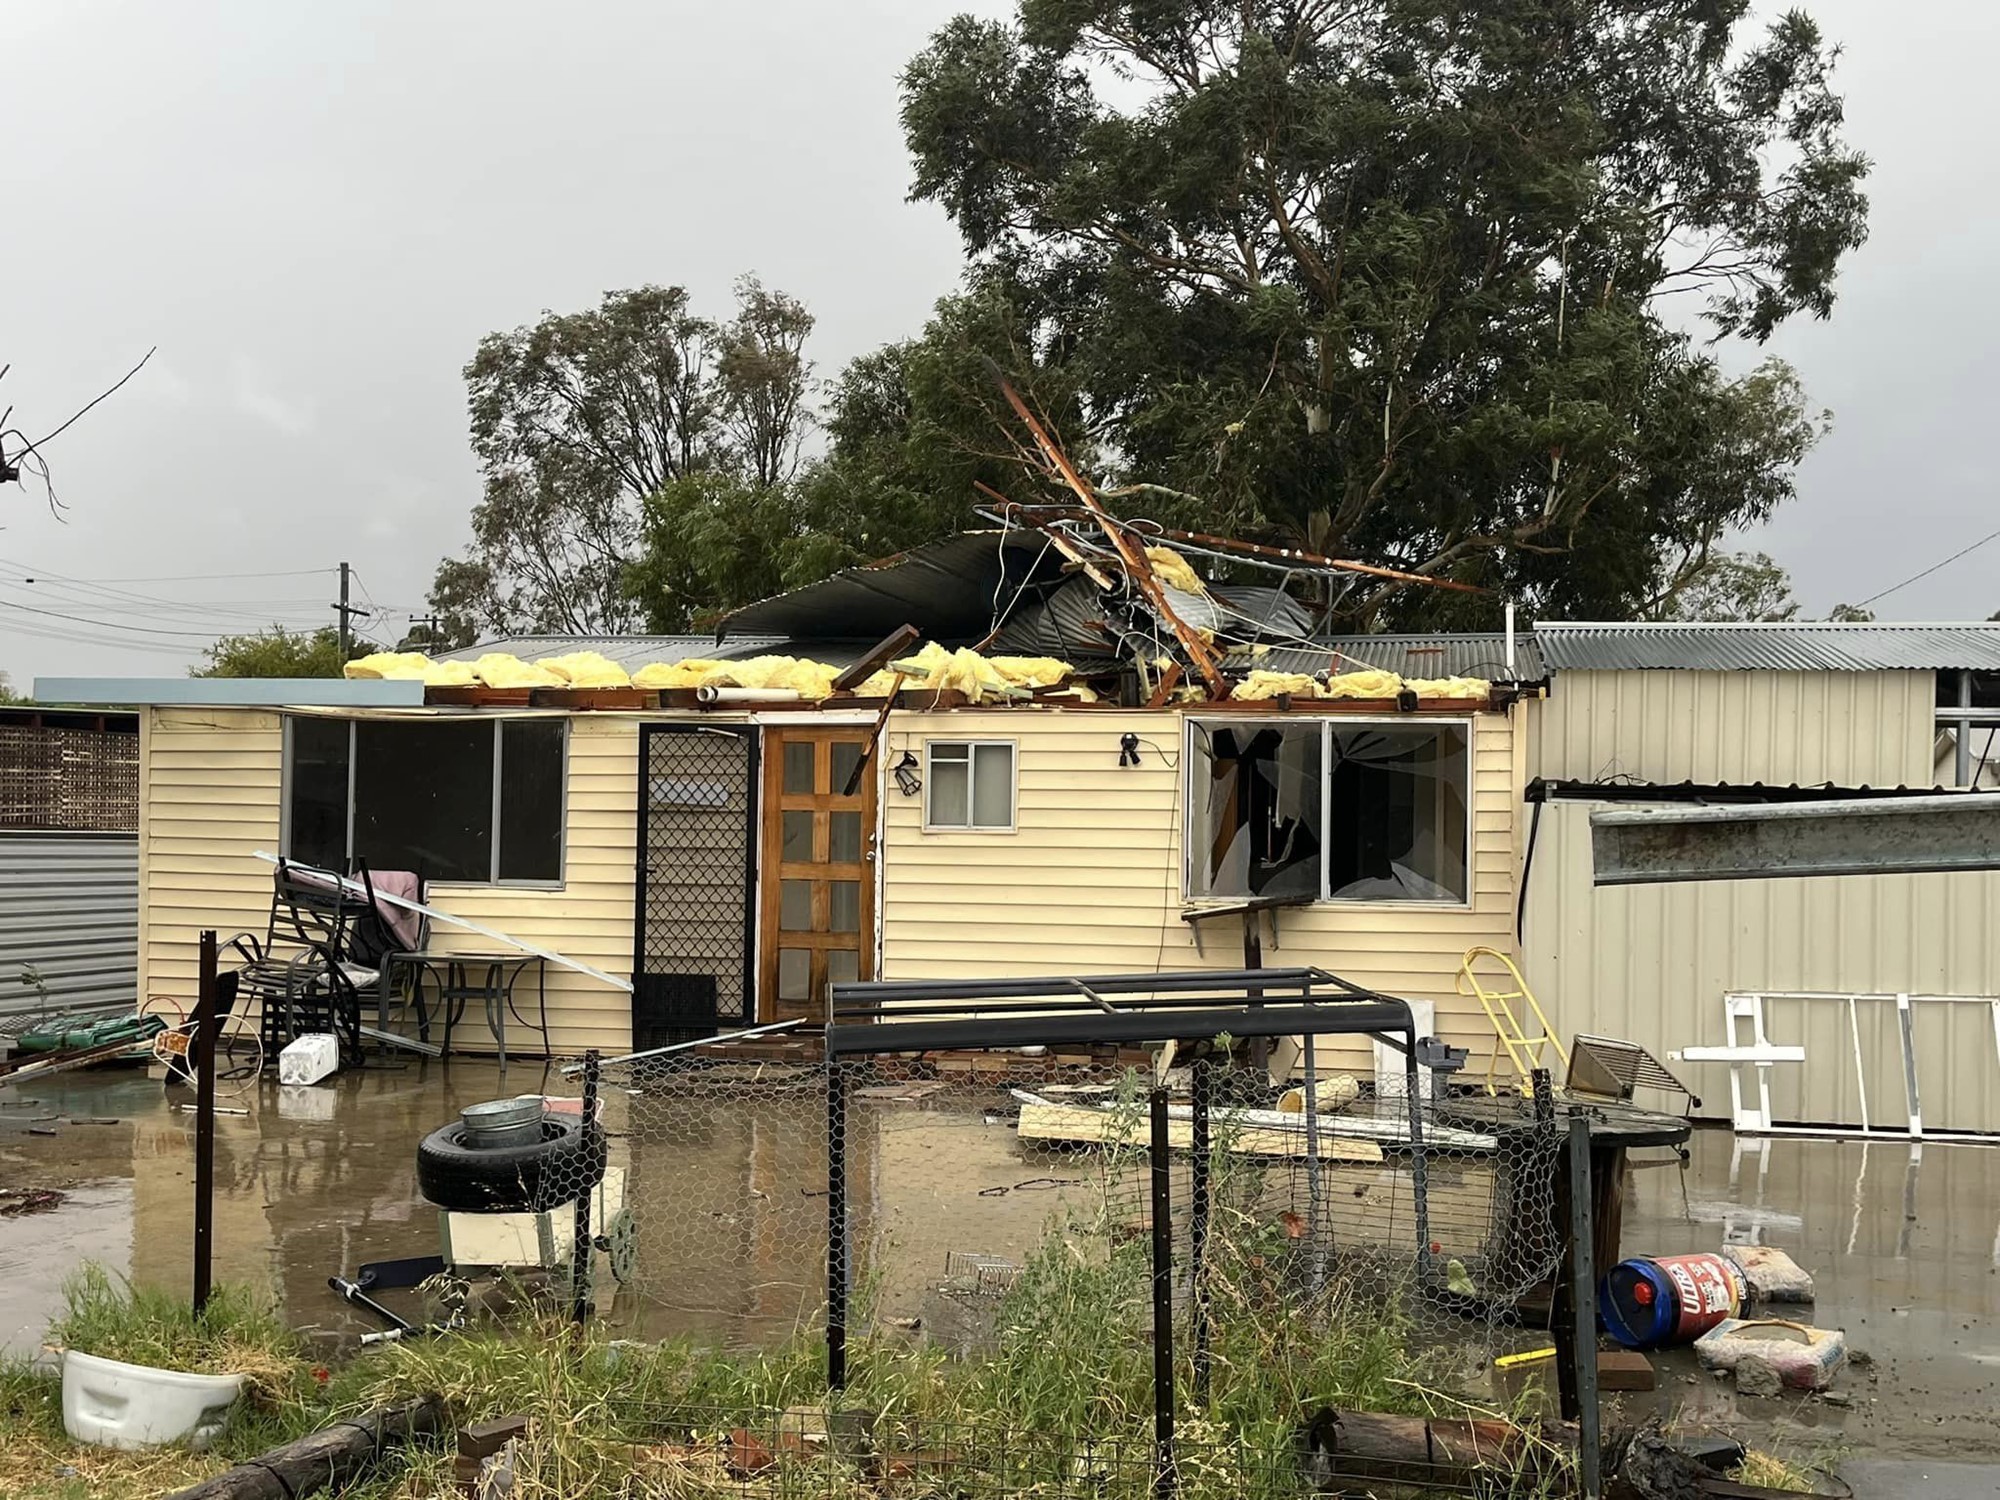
1804 646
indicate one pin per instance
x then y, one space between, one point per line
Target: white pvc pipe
747 695
438 914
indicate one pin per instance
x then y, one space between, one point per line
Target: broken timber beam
885 650
332 1458
1134 556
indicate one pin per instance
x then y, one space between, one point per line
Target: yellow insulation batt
497 669
1172 569
979 677
586 669
1371 685
409 666
811 680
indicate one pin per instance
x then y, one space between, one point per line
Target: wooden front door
817 905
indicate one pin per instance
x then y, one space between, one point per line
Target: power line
198 635
211 577
1990 536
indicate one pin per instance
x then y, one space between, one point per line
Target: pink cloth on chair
407 925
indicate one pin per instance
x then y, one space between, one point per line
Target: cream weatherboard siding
210 795
1651 963
1090 879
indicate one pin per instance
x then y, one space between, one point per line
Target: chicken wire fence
972 1203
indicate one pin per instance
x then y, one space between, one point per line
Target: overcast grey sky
316 211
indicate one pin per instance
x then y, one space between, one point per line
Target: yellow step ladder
1522 1050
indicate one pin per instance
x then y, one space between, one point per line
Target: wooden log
329 1458
1364 1450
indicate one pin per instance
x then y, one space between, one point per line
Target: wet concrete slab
1905 1246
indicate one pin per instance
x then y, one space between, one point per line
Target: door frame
769 864
753 746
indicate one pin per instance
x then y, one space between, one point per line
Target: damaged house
732 845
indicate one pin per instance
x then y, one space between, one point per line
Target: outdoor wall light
1128 750
905 772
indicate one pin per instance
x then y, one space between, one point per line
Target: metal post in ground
1315 1188
1199 1189
1583 1304
836 1226
1160 1159
581 1249
207 1028
1420 1176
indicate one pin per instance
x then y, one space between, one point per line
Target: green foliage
278 652
1854 614
1389 276
239 1332
712 541
1732 586
7 694
580 418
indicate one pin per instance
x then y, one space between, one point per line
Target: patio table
492 978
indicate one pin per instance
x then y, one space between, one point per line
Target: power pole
347 612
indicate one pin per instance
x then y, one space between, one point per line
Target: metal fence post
1160 1160
1199 1189
1583 1303
580 1246
836 1227
1420 1175
208 1028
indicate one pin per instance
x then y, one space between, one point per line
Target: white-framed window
1329 809
474 801
969 784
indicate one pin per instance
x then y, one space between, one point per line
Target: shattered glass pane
1255 826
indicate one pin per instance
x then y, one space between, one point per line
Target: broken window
969 784
1328 810
454 800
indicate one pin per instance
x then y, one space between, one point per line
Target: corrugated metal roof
948 589
1437 655
1807 646
629 651
635 651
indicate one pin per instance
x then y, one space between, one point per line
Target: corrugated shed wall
1651 963
1854 728
1090 881
68 924
212 784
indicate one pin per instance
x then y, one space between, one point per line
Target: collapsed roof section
1010 590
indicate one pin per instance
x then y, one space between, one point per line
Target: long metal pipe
1161 1164
1359 1017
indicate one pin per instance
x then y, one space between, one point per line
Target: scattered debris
1650 1301
1770 1274
17 1201
1806 1359
1625 1370
1757 1376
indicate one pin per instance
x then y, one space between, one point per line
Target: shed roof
1804 646
1469 654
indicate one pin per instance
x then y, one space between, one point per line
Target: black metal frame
308 988
753 742
877 1017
